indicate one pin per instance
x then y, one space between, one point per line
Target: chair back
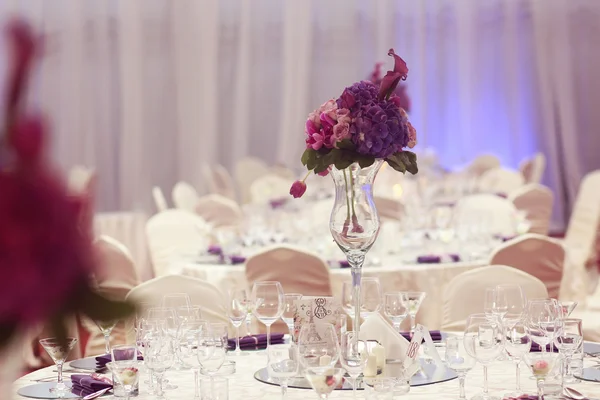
184 196
219 210
500 181
270 187
488 211
159 199
536 201
247 170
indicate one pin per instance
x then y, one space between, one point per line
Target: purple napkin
278 203
215 250
536 348
85 384
102 360
503 195
504 238
237 260
256 341
522 397
433 259
344 264
436 336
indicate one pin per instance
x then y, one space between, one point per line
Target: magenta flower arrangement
401 96
366 123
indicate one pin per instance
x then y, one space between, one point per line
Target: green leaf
410 161
395 162
346 144
305 156
365 161
343 163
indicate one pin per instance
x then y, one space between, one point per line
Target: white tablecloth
242 384
429 278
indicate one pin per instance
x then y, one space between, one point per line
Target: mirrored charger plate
88 363
428 375
42 391
589 374
228 368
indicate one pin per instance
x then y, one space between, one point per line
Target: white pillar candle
379 353
371 368
324 360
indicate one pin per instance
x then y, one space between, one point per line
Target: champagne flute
289 311
283 364
236 312
58 352
394 308
269 302
458 360
518 342
353 357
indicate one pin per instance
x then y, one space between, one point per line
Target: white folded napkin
377 328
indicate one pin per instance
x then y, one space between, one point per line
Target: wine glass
567 341
541 364
483 341
159 357
318 345
370 293
187 348
283 364
236 312
269 302
58 352
495 305
126 372
542 315
518 342
516 303
353 356
458 360
176 300
149 329
413 301
394 308
170 326
106 328
291 306
186 314
212 351
324 379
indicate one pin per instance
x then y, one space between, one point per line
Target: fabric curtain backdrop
146 91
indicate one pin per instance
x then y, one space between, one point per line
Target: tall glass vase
354 222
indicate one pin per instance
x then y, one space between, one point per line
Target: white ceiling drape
146 91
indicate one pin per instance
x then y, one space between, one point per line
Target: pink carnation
341 131
319 126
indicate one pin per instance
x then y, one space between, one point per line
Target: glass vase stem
356 277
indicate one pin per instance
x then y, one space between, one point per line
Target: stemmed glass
353 357
171 325
324 379
413 301
518 342
187 348
236 312
394 308
370 296
567 307
126 372
567 341
187 314
484 341
512 298
283 364
58 352
290 309
269 302
159 357
542 319
318 345
212 350
176 300
458 360
347 299
495 305
149 329
106 328
541 364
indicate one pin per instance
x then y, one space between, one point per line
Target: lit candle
324 360
371 368
379 353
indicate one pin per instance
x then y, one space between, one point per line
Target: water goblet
58 352
159 358
283 364
413 301
567 341
458 360
211 353
290 309
126 373
518 342
237 310
542 316
353 357
541 364
269 302
324 379
484 341
495 304
318 345
394 308
516 303
370 293
187 348
176 300
106 328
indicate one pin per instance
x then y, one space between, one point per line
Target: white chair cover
388 208
495 212
532 169
184 196
223 182
270 187
247 170
210 299
537 255
483 163
536 200
465 294
159 199
219 211
582 239
283 171
172 235
500 181
115 277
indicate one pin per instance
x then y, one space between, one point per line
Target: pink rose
315 117
343 116
341 131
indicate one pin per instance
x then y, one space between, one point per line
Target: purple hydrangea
379 128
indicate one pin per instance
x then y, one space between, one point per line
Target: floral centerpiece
350 137
46 254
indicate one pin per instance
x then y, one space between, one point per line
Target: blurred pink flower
298 188
27 139
341 131
343 116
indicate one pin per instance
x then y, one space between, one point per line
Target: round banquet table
429 278
242 384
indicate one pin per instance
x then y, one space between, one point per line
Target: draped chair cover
500 181
465 294
173 234
219 210
483 163
247 170
270 187
388 208
284 172
533 168
184 196
223 182
497 213
536 200
159 199
537 255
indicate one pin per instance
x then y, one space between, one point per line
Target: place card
318 310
